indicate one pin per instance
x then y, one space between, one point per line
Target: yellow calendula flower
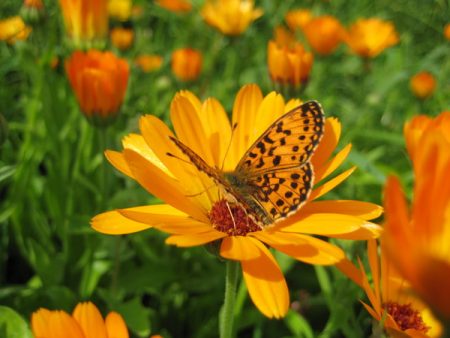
86 21
418 238
369 37
13 29
122 38
231 17
197 211
86 321
392 304
298 18
288 61
120 9
423 84
148 62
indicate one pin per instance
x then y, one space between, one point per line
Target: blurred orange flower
418 240
391 303
85 321
447 31
33 4
149 62
13 29
423 84
231 17
177 6
187 63
86 21
99 80
298 18
324 34
122 38
193 219
288 61
369 37
120 9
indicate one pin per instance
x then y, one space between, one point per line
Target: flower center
231 218
406 317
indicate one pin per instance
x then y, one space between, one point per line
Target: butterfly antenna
233 128
178 158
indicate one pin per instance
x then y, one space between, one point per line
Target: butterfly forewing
288 142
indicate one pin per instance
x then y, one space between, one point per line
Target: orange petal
321 224
90 319
329 185
118 161
195 239
374 263
114 223
303 248
326 169
245 108
328 143
239 248
266 284
60 324
367 231
161 185
115 325
351 271
39 322
360 209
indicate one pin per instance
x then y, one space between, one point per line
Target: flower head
417 240
122 38
369 37
298 18
391 304
423 84
324 34
231 17
187 64
13 29
86 321
32 10
99 80
176 6
196 213
86 21
120 9
288 61
148 62
447 31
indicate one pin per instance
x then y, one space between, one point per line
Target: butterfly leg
231 214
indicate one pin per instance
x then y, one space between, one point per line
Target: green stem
227 313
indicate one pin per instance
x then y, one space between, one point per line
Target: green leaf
12 325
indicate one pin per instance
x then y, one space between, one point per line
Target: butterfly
275 176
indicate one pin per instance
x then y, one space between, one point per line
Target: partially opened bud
423 85
186 64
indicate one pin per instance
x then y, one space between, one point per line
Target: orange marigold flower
298 18
424 229
85 321
447 31
120 9
391 303
187 64
177 6
122 38
149 63
369 37
231 17
324 34
196 214
423 84
99 80
288 61
86 21
13 29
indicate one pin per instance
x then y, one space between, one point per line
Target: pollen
232 219
406 316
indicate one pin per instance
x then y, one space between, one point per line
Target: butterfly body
275 176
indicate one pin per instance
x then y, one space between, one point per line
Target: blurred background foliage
54 176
